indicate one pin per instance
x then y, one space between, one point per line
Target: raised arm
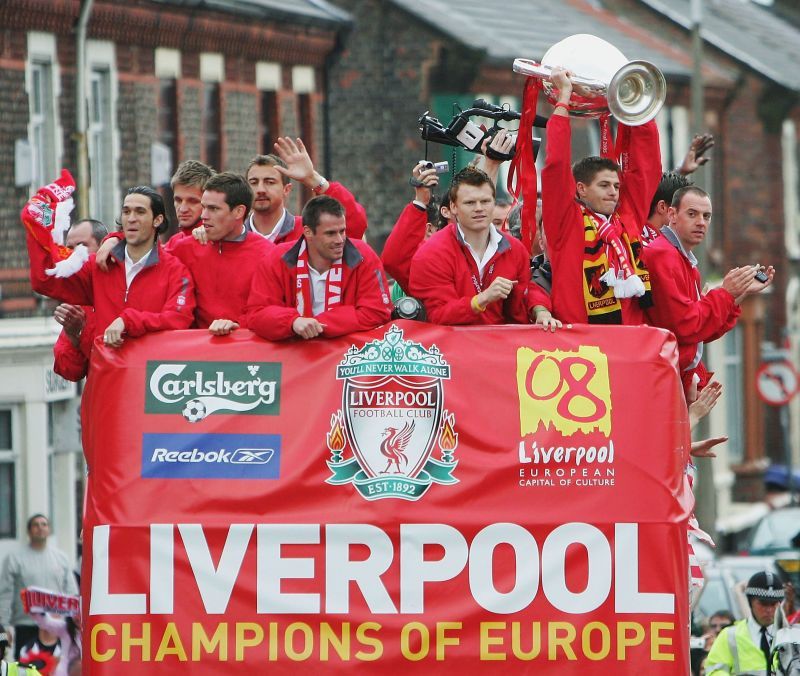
76 289
692 320
558 184
300 167
408 234
641 176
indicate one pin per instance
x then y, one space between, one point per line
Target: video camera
461 131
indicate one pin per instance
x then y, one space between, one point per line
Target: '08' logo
568 390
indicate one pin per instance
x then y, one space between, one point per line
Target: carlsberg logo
198 389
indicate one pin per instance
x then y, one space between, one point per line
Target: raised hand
298 162
695 156
428 178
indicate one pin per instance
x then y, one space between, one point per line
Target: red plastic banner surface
417 498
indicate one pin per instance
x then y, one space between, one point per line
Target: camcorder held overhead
441 167
463 132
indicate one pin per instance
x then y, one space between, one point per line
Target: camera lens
408 308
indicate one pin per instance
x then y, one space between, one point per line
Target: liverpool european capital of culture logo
392 418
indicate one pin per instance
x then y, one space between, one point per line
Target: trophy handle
539 71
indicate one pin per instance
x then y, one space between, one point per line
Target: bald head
88 232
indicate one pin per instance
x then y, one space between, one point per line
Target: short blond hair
191 173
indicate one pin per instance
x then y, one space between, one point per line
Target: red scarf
610 232
621 273
333 284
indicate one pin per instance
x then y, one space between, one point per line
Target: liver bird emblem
394 445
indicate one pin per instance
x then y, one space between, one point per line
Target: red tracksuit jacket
563 220
223 274
160 297
70 362
365 304
444 277
678 304
407 235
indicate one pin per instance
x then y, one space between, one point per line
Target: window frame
45 135
10 456
790 149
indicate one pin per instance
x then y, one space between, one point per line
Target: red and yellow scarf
607 246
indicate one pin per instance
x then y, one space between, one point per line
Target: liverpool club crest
392 419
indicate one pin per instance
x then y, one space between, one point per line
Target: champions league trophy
604 81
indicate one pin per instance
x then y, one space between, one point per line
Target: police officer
744 647
11 668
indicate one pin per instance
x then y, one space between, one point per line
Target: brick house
167 81
755 183
406 56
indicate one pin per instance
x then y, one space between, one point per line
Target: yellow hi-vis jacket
734 652
13 669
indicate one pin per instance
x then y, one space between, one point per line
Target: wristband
320 187
476 305
538 308
561 104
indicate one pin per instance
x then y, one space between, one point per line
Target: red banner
423 498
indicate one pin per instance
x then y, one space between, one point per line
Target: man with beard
270 179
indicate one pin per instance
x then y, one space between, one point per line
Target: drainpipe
81 122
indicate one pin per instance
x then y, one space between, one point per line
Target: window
164 152
211 125
43 88
673 127
212 72
42 122
732 369
791 187
168 118
306 122
268 124
268 81
102 138
8 493
101 152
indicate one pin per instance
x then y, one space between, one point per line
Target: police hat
764 585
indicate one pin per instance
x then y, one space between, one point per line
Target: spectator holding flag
35 564
149 290
56 616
